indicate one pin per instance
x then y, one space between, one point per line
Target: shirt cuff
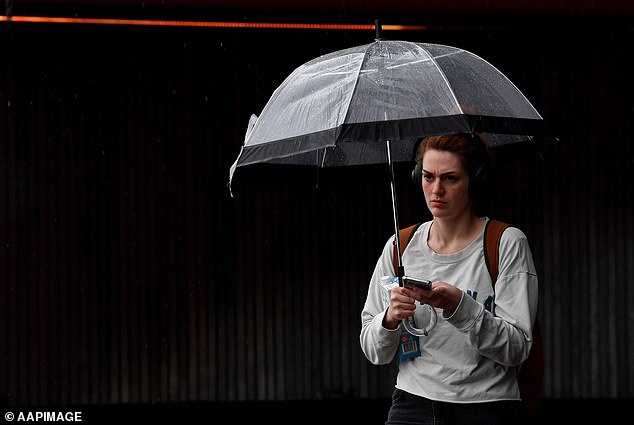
466 314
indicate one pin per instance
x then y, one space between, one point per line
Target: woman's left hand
441 295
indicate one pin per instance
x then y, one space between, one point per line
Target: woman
465 370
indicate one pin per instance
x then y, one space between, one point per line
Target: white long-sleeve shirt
472 355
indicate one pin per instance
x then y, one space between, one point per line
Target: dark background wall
131 277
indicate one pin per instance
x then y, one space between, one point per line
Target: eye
451 178
428 177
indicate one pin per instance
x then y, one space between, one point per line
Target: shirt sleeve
504 334
378 343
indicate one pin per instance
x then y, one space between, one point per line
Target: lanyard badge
409 346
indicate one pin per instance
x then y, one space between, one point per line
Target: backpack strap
530 374
404 236
493 230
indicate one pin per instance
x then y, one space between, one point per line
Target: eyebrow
442 174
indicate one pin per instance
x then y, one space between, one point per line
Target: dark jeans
409 409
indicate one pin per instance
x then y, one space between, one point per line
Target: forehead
442 161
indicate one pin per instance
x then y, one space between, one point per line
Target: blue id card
409 347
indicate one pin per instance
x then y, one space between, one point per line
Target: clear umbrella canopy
340 108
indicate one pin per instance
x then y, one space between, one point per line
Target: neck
449 235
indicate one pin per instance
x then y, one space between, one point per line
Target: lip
437 203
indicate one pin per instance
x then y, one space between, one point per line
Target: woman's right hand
402 305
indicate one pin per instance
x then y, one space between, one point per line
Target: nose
436 187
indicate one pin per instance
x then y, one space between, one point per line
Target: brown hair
472 150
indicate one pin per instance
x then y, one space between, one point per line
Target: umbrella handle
410 325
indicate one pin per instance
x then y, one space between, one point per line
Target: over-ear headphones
477 178
417 173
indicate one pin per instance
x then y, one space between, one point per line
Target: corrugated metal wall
129 275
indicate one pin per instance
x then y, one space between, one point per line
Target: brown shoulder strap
492 235
530 374
404 236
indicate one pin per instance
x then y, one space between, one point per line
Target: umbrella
371 104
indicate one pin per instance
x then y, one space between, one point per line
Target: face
445 184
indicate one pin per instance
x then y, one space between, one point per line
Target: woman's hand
402 305
402 301
441 295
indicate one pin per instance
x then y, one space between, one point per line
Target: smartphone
424 284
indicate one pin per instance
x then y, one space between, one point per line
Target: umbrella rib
356 82
323 158
444 77
430 58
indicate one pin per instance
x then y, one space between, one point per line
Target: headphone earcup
478 181
417 174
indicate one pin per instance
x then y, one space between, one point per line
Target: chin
439 212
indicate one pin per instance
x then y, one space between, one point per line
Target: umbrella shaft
401 271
